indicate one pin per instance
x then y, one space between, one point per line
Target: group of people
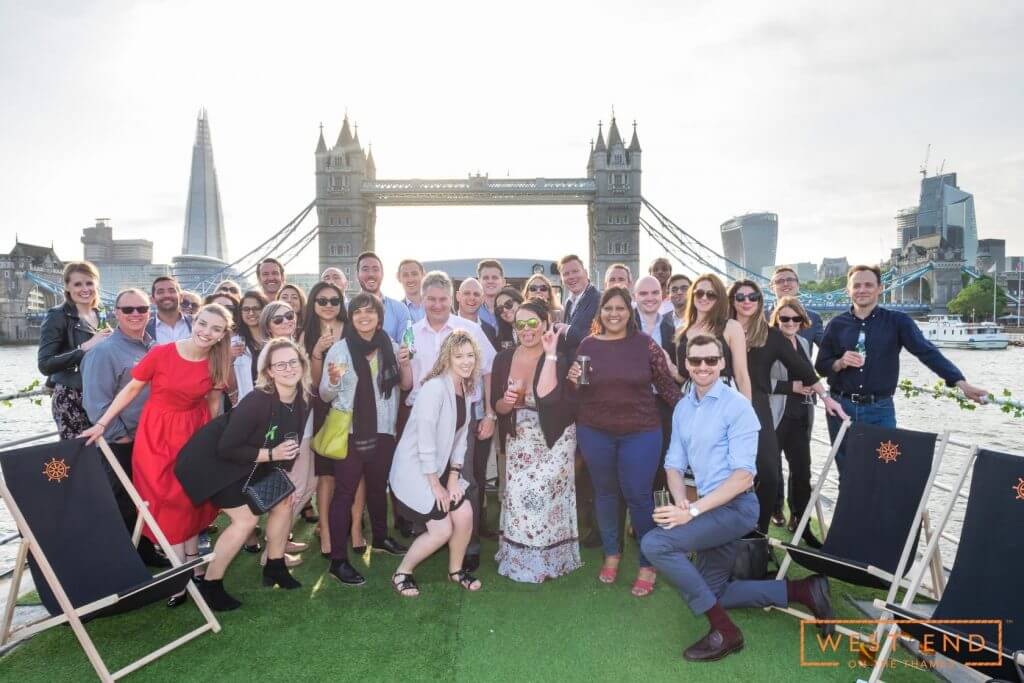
662 383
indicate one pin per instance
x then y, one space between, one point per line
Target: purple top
618 399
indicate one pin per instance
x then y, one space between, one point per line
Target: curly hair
455 340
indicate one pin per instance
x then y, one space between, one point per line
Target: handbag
752 558
332 439
274 486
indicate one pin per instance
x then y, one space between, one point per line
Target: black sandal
254 547
466 580
404 582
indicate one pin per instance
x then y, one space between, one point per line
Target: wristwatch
694 510
491 416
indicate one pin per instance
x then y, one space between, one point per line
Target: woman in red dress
185 379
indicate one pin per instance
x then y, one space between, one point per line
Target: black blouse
251 421
761 358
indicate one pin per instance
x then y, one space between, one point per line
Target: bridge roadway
479 190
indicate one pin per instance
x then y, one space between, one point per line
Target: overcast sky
820 112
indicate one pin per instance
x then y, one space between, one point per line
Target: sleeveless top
727 373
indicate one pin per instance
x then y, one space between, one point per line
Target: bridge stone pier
348 193
944 279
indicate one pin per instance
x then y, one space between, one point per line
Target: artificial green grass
570 629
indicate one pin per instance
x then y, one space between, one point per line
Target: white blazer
429 443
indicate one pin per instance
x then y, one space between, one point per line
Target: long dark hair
597 327
718 316
243 329
757 333
311 325
505 330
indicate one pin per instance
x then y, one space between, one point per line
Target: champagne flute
662 498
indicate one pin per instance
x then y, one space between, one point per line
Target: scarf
364 405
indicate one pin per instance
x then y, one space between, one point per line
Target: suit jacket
151 325
668 335
583 312
782 386
429 444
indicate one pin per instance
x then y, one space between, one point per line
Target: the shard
204 222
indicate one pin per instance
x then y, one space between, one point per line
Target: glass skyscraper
947 210
750 241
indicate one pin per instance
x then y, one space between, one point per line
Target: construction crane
924 164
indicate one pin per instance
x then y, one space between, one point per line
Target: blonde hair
794 303
86 268
265 383
552 297
757 333
444 358
219 356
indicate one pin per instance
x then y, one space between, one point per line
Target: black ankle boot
275 573
216 597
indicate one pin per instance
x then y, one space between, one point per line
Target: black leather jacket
59 338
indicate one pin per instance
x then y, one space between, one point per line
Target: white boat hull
988 344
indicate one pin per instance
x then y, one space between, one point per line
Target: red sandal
642 587
607 574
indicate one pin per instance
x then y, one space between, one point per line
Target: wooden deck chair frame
73 616
895 580
907 603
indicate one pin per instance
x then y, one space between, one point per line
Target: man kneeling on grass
714 433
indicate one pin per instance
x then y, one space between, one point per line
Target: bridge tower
614 214
346 220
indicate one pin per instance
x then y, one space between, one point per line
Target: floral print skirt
68 411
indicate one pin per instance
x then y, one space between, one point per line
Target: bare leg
462 529
192 551
438 533
230 541
279 524
358 506
324 494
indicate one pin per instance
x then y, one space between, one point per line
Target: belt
862 399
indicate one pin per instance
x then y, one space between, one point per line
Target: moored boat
951 332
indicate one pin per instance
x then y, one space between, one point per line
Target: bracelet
101 424
554 358
270 455
316 357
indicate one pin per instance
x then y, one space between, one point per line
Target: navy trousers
714 536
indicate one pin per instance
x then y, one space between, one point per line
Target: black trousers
767 463
373 469
794 438
123 453
475 471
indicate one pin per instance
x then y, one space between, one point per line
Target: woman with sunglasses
766 346
618 425
190 303
506 303
229 286
539 287
535 408
792 406
248 331
323 328
707 313
293 295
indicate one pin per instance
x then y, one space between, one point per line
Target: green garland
940 391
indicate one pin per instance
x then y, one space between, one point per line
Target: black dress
759 366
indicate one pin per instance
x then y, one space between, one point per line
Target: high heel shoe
177 599
277 574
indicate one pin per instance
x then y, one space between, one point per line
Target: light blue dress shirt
487 315
416 311
396 315
714 436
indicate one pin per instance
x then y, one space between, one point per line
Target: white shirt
666 307
166 334
428 345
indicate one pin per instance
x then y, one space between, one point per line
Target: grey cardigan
781 386
429 443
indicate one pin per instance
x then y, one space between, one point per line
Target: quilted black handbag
274 485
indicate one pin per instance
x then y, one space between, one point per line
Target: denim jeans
881 413
626 463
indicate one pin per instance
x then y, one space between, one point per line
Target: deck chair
887 479
78 550
986 579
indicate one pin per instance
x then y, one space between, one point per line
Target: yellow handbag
332 439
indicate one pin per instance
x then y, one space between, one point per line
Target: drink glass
292 436
516 385
584 378
506 345
662 499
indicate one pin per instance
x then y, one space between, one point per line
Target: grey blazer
429 443
780 386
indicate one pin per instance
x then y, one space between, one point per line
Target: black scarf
364 405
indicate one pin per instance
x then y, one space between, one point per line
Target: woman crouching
426 475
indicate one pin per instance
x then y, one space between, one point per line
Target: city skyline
782 110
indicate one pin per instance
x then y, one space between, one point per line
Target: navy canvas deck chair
872 540
986 582
77 548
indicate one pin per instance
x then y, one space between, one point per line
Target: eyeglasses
286 364
188 306
682 289
532 323
251 309
791 318
708 294
508 305
229 288
710 361
324 301
278 319
740 297
538 288
784 280
128 310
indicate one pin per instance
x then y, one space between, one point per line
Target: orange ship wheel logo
888 451
56 470
1019 488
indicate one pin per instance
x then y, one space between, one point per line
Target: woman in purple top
618 426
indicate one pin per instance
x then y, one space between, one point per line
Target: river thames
987 425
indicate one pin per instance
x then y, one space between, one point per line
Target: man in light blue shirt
714 433
370 273
410 276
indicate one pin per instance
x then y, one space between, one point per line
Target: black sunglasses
709 361
791 318
740 297
508 305
278 319
709 294
189 305
128 310
324 301
538 288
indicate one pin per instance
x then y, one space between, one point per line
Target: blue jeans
625 463
881 413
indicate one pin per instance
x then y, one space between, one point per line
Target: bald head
647 294
470 296
335 277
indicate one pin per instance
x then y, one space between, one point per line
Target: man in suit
786 283
580 306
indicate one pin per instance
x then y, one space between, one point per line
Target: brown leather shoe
713 646
822 604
